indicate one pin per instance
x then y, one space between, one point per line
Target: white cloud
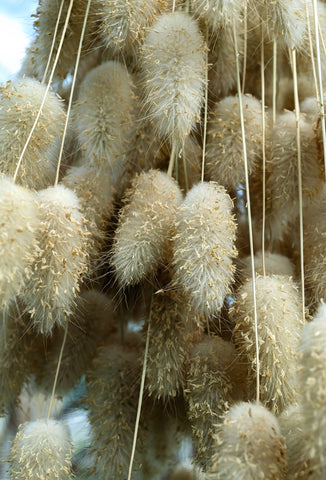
13 42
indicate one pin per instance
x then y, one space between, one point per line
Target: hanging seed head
217 14
173 50
249 445
284 20
123 23
225 163
203 247
19 105
102 118
41 449
62 260
18 246
279 327
275 264
312 382
209 391
141 241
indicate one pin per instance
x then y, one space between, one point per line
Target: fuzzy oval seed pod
275 264
203 247
173 331
141 241
61 262
209 391
249 446
291 422
103 119
95 193
282 179
123 23
44 25
92 323
18 246
19 105
284 20
314 249
217 14
41 449
112 397
173 51
279 328
312 383
225 162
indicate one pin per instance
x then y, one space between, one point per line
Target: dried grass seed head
217 14
41 449
172 60
123 23
18 231
62 260
19 105
225 163
141 241
279 328
275 264
203 247
249 445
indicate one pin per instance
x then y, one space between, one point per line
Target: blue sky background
16 31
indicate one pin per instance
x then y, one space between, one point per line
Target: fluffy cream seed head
217 14
283 19
41 449
61 262
141 241
173 51
225 162
203 247
312 385
18 246
249 446
19 105
102 118
123 22
279 329
275 264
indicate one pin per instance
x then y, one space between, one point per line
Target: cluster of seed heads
162 240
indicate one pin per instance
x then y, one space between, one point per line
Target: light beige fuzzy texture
217 14
225 157
20 222
62 260
103 118
249 446
19 105
141 241
312 384
279 328
173 50
203 247
41 450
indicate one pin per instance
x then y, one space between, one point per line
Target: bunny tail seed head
123 22
225 163
203 247
209 391
62 261
283 19
141 241
275 264
103 117
112 395
217 14
173 50
41 449
249 446
19 104
18 246
279 329
312 384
